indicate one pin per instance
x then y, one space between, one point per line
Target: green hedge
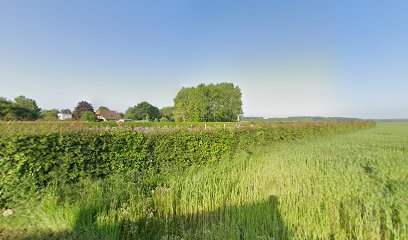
32 161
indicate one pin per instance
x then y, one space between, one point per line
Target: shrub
69 155
88 116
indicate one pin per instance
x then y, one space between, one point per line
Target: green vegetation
102 108
208 103
88 116
166 114
142 111
49 115
22 108
347 186
40 158
82 107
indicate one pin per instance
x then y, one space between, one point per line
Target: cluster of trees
21 108
204 103
208 103
84 111
148 112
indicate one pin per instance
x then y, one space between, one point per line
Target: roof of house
65 111
108 114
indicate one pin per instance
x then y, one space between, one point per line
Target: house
65 114
107 115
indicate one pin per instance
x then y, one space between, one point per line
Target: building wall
62 116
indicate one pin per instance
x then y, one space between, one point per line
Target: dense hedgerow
31 160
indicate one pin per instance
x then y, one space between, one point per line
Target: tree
167 112
50 115
88 116
141 110
102 108
26 108
5 109
208 103
22 108
82 106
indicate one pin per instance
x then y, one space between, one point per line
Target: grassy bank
340 186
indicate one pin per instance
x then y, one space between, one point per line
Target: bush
88 116
70 155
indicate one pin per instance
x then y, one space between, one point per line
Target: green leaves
21 109
71 155
208 103
143 111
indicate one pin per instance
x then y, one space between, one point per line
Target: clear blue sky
327 58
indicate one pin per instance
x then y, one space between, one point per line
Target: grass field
348 186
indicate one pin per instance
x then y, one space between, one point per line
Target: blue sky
326 58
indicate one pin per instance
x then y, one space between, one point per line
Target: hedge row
39 159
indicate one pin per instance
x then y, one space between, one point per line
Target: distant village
101 115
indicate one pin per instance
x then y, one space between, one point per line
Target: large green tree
208 103
81 107
21 108
141 111
26 108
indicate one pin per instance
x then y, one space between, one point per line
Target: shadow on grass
260 220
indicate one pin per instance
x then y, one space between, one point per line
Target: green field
346 186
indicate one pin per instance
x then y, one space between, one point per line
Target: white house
65 114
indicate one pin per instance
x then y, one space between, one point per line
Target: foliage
50 115
67 156
164 119
22 108
88 116
5 108
167 112
345 186
81 107
31 105
208 103
101 108
141 111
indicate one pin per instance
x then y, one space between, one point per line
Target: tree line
204 103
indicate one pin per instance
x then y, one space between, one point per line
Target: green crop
319 185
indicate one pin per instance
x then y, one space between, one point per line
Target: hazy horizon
294 58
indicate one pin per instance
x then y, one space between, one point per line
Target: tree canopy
142 111
208 103
22 108
82 106
102 108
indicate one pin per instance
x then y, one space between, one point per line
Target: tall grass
351 186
